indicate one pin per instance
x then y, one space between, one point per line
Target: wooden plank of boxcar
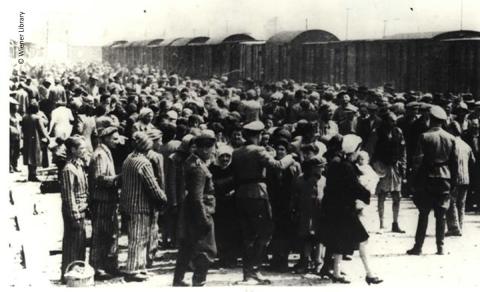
272 62
476 65
473 65
320 64
245 64
315 64
359 62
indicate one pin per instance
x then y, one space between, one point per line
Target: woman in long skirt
341 230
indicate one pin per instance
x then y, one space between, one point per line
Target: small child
306 201
369 178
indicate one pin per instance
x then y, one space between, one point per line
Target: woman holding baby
341 230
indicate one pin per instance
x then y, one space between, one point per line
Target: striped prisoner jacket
140 188
74 189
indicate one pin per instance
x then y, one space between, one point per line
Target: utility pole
384 27
461 14
306 23
145 23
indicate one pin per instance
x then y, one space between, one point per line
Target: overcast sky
96 22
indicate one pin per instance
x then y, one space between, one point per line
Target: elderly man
249 164
103 202
140 195
435 165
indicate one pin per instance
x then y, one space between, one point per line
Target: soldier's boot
179 275
201 264
257 276
416 250
396 228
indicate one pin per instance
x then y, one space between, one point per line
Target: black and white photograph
320 144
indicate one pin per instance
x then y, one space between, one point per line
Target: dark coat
341 230
280 185
306 203
34 134
227 224
195 224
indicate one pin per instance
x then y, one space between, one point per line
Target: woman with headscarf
225 218
144 120
341 230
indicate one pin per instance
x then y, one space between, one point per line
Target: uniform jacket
249 164
102 175
195 224
140 189
436 154
74 190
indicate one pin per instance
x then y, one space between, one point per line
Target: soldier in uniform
249 163
195 227
434 164
103 182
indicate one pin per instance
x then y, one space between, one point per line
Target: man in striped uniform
103 204
74 193
157 162
140 194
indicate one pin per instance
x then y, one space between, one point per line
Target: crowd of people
227 169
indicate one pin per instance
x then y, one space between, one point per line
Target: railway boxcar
284 53
428 62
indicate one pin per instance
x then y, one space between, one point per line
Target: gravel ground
41 234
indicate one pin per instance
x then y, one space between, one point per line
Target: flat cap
350 143
255 126
205 135
438 112
351 108
154 134
462 106
172 115
107 131
142 142
413 104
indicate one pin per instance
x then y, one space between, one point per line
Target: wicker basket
79 280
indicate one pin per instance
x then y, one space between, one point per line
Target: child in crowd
307 197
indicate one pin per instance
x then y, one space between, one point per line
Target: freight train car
436 61
116 52
429 62
179 55
284 54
